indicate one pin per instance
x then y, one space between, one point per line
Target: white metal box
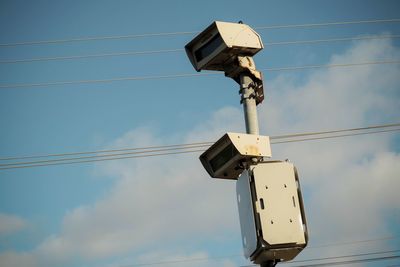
271 212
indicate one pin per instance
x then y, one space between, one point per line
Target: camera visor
209 47
223 157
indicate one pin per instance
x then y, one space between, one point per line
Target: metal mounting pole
248 99
249 104
268 264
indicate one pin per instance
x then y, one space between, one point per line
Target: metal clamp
246 65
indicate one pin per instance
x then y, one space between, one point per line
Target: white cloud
195 259
170 202
10 224
355 203
13 259
337 97
156 201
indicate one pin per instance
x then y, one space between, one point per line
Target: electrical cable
347 256
335 257
179 261
331 65
216 258
102 156
197 144
352 242
180 148
96 160
136 78
134 36
119 156
136 53
314 41
185 75
342 262
335 131
129 53
237 255
323 24
350 261
334 136
107 151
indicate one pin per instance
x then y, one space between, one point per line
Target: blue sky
167 208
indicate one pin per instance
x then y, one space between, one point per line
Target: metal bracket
246 65
256 91
247 94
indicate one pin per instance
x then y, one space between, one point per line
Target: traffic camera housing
226 158
219 45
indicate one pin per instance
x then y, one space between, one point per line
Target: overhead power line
342 262
199 144
350 261
352 242
329 40
340 257
226 257
172 147
324 24
21 165
162 34
348 256
186 75
291 68
318 246
380 126
102 155
73 161
146 152
333 136
163 51
128 53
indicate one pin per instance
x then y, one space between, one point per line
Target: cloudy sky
165 210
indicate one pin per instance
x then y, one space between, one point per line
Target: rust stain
252 150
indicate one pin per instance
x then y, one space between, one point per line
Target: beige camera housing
225 158
219 45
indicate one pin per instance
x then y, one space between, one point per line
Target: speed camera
225 158
271 212
219 45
